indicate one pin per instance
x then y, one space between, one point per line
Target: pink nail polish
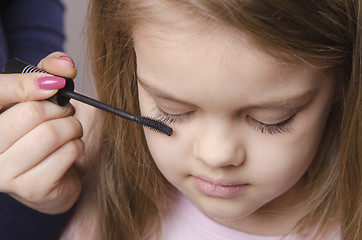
50 82
67 59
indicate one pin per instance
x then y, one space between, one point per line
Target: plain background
76 44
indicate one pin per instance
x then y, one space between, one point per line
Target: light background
76 44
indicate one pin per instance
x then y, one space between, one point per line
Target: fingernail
50 82
67 59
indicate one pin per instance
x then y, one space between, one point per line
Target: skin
222 87
40 141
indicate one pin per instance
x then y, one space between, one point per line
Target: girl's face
246 125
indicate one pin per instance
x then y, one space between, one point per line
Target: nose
218 146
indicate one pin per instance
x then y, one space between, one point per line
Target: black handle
15 65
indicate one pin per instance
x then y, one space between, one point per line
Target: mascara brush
63 96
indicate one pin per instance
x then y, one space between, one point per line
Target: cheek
168 155
157 150
280 166
283 161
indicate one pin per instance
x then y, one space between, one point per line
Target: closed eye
275 128
169 118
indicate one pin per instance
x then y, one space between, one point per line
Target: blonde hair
132 193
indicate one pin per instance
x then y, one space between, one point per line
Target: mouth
221 189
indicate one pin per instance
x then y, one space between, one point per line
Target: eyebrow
292 101
159 93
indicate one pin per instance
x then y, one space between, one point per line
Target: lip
221 188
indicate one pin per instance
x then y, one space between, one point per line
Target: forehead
168 19
216 64
170 25
214 46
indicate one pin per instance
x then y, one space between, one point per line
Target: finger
21 118
35 146
6 107
54 199
59 64
16 88
55 166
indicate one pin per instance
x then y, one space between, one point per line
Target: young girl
263 97
264 101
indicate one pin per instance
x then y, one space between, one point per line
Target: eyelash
271 129
169 118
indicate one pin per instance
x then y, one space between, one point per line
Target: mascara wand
63 96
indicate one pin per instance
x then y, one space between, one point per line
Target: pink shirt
187 222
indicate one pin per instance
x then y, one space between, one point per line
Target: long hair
132 193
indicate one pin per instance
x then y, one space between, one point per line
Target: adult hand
39 141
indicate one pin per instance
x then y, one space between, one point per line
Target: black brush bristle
64 95
155 125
